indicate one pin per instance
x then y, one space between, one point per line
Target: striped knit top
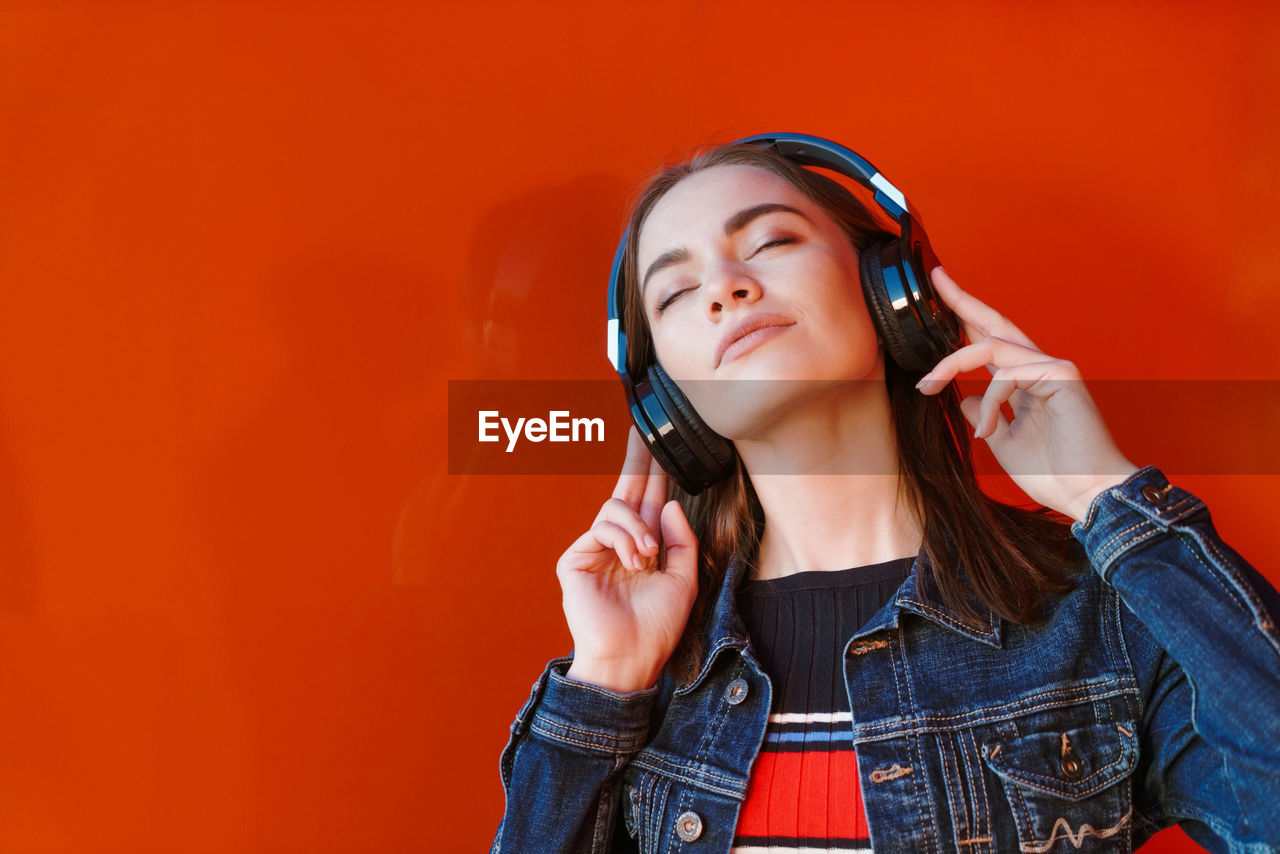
803 796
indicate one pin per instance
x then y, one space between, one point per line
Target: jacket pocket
1068 787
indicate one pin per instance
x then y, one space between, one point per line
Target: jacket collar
919 595
724 629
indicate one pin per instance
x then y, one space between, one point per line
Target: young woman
844 645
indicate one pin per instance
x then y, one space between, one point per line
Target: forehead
699 205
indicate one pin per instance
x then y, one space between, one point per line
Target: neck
827 478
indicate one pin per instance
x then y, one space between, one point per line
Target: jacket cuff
586 717
1122 518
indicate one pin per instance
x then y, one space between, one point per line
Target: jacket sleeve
1206 649
560 769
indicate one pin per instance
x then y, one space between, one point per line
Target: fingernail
924 380
635 562
650 542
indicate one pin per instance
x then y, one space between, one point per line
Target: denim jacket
1150 696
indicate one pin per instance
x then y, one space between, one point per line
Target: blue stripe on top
809 737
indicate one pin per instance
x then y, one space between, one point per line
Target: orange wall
243 606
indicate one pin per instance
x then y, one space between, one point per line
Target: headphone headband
805 150
816 151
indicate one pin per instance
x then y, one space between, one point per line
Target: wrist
1078 507
620 677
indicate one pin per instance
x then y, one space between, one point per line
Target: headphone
917 328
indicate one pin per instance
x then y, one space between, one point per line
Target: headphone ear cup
871 265
704 456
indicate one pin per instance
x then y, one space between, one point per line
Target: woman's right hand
625 611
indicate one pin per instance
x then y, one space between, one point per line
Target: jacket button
1155 495
736 692
1072 767
689 826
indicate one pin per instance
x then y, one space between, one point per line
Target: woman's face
743 277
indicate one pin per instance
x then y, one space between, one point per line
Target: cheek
683 351
847 337
844 312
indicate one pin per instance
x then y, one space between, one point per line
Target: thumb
680 542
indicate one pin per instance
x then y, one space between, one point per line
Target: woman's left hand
1057 448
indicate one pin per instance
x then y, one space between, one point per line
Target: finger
979 319
989 410
1019 386
993 353
1006 383
655 495
1009 382
620 540
971 407
635 471
584 555
618 512
681 543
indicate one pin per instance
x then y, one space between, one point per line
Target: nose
727 284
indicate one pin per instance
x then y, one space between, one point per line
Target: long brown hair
985 555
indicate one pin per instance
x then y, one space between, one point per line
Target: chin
749 396
751 407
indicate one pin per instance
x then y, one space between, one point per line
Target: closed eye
672 298
777 241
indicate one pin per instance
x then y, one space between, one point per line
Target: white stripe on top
811 718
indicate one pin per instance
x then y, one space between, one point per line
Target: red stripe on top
829 802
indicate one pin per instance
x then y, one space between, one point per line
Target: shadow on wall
534 309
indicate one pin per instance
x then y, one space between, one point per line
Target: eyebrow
732 226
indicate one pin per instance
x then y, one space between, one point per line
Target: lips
749 328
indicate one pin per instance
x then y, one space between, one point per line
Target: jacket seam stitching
590 732
979 770
662 766
1065 696
913 741
1113 547
1245 591
605 745
955 793
985 632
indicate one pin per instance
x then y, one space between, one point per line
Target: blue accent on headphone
917 328
615 275
889 205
